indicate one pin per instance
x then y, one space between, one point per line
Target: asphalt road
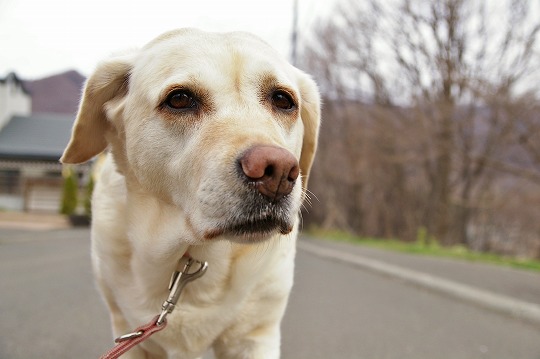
50 309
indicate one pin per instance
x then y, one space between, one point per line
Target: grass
428 248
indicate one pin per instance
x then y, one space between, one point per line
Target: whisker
311 194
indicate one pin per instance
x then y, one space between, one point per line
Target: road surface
50 309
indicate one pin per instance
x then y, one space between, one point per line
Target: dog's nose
273 170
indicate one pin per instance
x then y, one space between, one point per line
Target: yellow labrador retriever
211 137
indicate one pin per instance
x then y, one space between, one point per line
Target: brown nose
273 170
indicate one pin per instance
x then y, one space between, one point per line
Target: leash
180 277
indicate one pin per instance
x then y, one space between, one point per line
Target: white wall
13 100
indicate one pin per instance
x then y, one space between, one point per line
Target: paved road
519 284
49 308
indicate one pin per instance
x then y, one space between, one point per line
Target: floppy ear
108 81
310 111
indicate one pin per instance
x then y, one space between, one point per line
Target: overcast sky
43 37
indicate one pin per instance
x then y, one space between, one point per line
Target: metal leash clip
179 279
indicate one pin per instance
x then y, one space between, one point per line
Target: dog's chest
226 301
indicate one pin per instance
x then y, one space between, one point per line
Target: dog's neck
158 238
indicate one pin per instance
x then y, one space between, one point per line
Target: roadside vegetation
424 246
430 120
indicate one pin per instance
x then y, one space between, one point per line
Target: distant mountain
56 94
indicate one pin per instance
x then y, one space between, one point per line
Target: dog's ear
310 111
109 80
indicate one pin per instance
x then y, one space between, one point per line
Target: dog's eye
181 100
283 101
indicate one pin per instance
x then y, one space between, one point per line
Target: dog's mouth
253 228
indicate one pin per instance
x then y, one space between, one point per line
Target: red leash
180 277
128 341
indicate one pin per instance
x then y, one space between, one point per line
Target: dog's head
218 125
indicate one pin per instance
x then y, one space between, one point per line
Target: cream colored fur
169 181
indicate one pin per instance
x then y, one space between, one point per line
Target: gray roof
36 137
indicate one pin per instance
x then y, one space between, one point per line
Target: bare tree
446 91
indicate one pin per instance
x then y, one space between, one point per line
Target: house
30 147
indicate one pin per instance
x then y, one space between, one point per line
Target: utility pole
294 35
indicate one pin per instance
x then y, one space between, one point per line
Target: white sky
44 37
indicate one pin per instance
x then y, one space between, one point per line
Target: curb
525 311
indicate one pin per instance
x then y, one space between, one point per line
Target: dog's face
218 125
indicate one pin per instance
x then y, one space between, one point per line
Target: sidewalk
508 290
32 221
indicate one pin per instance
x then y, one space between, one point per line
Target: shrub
69 193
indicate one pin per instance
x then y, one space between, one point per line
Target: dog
208 140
